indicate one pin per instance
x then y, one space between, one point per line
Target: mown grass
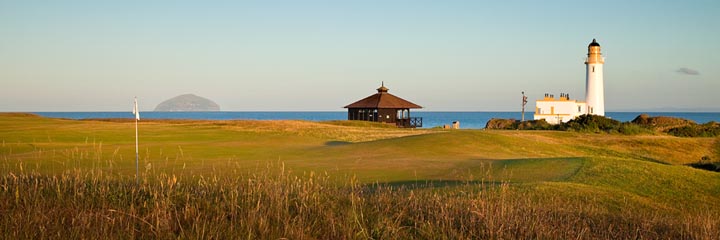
340 180
369 150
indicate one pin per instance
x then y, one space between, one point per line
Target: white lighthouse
594 93
564 109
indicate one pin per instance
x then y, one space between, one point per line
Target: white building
559 110
563 109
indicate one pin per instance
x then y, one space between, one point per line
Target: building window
579 109
593 69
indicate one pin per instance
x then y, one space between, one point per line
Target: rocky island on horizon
187 103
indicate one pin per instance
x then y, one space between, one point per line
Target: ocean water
475 120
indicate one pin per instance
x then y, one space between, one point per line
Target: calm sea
430 119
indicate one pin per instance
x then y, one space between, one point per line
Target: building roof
594 43
382 99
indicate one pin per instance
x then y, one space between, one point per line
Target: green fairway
372 152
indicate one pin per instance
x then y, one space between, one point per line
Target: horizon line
527 112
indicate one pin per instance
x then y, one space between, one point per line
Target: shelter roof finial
382 88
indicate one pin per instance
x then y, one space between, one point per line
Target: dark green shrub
686 131
593 123
499 123
711 129
536 125
633 129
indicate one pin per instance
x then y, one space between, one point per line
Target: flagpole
137 155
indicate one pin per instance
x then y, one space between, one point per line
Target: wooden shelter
386 108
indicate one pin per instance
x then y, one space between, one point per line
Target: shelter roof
383 99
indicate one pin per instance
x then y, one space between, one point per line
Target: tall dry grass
275 203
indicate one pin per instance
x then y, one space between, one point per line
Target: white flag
136 111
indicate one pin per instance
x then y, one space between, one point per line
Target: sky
273 55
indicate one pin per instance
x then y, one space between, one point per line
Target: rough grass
340 180
274 203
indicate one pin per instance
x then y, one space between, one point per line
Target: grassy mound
661 123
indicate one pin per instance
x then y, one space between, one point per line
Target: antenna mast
524 101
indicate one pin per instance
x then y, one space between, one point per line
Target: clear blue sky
321 55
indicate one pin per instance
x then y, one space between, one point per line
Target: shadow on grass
708 166
599 151
523 169
336 143
425 184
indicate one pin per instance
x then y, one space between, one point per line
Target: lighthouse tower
594 94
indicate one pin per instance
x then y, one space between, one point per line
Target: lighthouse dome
594 44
